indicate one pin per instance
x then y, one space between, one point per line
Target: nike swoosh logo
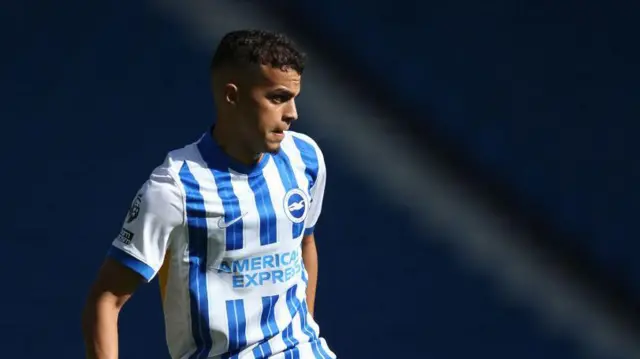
222 224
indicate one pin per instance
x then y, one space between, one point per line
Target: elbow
97 307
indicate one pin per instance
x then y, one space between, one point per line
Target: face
266 107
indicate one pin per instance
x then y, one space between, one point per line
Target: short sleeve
156 211
317 195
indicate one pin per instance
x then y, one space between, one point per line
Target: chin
272 147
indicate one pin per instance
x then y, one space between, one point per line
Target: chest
247 215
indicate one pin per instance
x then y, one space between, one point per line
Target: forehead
270 77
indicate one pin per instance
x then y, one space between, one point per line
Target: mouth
278 133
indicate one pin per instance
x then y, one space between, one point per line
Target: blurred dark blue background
540 95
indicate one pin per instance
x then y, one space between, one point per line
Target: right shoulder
164 187
177 158
175 162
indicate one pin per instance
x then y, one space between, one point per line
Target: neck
227 139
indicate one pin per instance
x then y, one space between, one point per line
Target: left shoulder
305 144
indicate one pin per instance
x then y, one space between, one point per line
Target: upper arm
308 239
317 194
138 251
155 213
115 283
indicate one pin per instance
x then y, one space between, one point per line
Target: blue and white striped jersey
225 241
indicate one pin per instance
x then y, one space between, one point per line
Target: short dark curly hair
258 47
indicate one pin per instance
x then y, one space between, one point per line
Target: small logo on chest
296 205
222 224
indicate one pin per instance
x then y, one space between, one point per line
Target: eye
279 98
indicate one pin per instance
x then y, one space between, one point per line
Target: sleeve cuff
131 262
308 231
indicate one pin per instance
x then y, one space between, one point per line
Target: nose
290 111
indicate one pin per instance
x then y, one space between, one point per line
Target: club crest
296 205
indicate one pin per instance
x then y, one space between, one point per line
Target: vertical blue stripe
268 227
232 323
268 317
258 352
310 159
322 350
293 353
316 346
300 308
262 350
198 234
268 326
289 181
242 323
292 300
237 325
287 333
231 207
306 329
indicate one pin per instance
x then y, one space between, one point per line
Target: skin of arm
310 260
114 285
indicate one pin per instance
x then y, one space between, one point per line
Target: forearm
100 330
310 260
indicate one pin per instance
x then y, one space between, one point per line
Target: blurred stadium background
483 174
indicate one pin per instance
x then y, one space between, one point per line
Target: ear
231 94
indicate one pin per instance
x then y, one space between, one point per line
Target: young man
227 222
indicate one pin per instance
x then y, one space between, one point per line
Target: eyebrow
282 91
